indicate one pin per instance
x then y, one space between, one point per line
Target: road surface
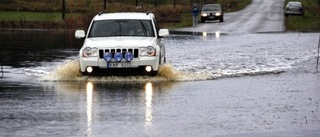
259 16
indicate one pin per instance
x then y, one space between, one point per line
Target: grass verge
310 22
33 16
169 16
186 18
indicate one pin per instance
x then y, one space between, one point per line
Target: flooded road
260 16
232 85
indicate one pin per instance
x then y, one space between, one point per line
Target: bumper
293 12
213 17
102 66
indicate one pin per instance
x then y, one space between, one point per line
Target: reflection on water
37 48
204 34
89 88
108 104
192 57
114 105
148 92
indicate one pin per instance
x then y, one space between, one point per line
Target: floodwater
213 85
53 55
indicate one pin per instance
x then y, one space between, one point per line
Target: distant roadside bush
80 12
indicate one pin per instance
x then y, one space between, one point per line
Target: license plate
294 12
211 17
119 65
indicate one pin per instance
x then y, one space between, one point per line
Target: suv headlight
218 14
90 52
147 51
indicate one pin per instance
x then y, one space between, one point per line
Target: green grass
182 11
186 18
310 22
186 21
239 5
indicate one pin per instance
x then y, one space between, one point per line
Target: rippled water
273 105
53 56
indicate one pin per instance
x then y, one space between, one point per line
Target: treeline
80 12
106 5
82 5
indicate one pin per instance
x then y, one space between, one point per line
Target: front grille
135 52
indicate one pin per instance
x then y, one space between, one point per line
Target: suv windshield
109 28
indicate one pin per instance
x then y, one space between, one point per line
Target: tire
84 74
87 74
160 60
153 73
221 19
203 20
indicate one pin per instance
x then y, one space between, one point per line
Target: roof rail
149 12
100 13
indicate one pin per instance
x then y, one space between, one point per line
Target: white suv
122 43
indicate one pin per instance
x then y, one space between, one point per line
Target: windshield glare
109 28
211 8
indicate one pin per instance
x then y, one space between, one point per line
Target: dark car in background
211 12
294 8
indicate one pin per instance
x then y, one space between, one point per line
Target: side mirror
80 34
163 32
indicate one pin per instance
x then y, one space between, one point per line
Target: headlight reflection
89 89
204 34
148 93
217 34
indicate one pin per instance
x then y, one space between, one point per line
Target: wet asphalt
240 84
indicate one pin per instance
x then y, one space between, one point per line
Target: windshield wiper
120 34
144 29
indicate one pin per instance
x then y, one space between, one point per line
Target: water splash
168 72
70 71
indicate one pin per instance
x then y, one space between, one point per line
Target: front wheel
203 20
221 19
153 73
162 60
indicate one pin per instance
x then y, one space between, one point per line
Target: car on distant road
294 8
122 43
211 12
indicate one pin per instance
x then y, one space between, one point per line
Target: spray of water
70 71
168 72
